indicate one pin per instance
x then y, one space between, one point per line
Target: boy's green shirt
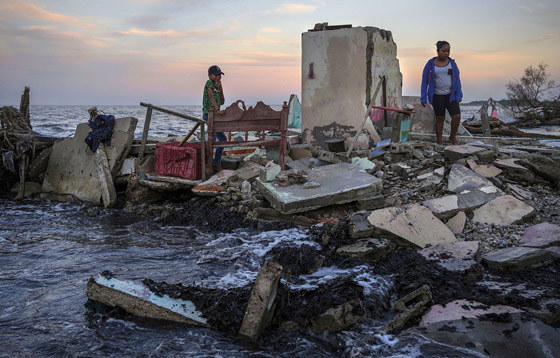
206 103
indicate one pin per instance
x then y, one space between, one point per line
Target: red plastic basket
175 161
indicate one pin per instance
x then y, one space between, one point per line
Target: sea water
49 250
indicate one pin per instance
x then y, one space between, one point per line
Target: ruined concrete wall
340 71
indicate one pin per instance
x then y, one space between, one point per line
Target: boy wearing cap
212 99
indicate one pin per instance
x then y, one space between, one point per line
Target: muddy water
49 250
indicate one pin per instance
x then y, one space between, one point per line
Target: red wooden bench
258 118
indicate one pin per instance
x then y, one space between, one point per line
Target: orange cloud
27 11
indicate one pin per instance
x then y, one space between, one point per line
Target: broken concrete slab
359 226
516 337
504 210
462 309
447 206
541 235
486 170
260 308
519 192
250 171
457 256
515 170
515 258
412 224
339 318
457 223
72 171
137 299
370 249
108 192
371 202
335 188
39 164
456 152
461 178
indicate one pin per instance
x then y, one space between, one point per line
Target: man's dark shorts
441 102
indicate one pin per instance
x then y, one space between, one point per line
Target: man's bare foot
454 141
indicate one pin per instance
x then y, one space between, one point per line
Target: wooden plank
145 132
167 111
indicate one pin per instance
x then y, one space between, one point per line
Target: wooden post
366 116
203 151
22 165
145 132
484 120
385 121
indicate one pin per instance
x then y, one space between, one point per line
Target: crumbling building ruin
341 69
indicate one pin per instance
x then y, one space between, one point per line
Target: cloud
181 34
294 9
147 21
27 11
542 38
270 29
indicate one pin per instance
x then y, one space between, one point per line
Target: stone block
299 151
269 172
456 152
515 258
413 224
505 210
457 223
486 156
230 163
461 256
461 178
339 318
370 249
541 235
72 169
339 183
261 302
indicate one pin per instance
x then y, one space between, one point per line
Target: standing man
212 99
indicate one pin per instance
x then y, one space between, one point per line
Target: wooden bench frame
236 119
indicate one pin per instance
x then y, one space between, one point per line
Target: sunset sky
127 51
